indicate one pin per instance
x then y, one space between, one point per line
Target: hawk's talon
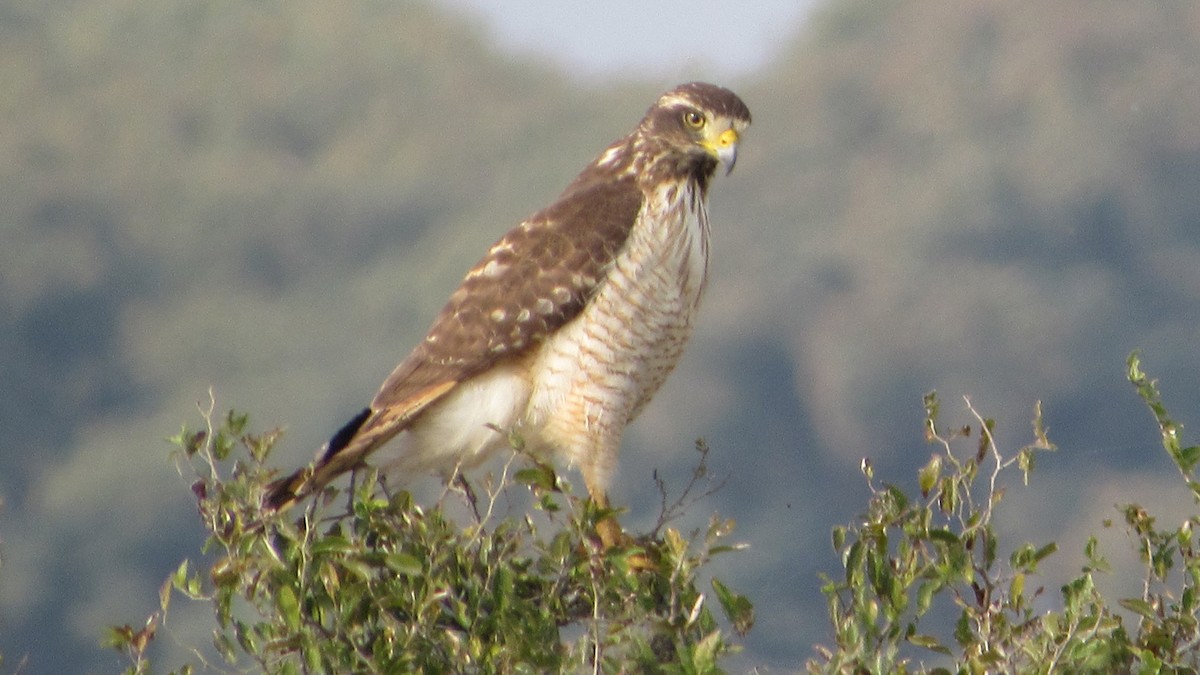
612 536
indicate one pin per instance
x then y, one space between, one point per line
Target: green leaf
1133 365
548 504
1020 558
1140 607
236 422
177 580
928 475
1188 457
245 636
925 593
704 654
738 608
117 637
1045 551
537 476
289 607
359 568
898 501
944 536
928 642
1151 664
962 629
1025 462
332 545
403 563
1016 587
222 446
948 502
853 564
839 538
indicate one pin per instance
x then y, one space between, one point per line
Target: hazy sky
653 38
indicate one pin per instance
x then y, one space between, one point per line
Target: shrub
365 580
909 554
385 585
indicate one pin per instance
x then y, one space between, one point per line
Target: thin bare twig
669 512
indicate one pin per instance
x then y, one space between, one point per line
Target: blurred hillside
996 199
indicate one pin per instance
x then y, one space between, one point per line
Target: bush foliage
909 554
364 580
385 585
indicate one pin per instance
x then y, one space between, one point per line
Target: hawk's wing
534 280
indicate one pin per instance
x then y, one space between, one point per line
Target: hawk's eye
693 119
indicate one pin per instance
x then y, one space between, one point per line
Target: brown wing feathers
535 279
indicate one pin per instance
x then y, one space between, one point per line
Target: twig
670 512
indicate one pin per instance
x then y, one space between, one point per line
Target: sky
615 37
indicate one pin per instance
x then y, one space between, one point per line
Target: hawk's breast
596 373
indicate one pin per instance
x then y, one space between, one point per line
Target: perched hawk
570 323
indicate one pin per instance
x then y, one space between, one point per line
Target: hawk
570 322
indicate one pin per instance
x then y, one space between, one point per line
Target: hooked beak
724 148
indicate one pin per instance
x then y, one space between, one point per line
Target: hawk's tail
352 443
284 492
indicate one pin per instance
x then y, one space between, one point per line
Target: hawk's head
693 128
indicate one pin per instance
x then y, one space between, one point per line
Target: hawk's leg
607 528
611 535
